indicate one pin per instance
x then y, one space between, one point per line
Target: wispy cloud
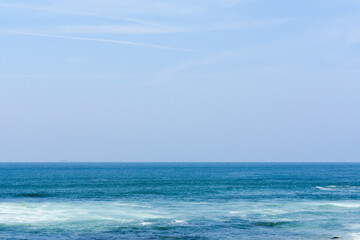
85 14
115 29
22 6
127 19
72 76
139 26
159 29
99 40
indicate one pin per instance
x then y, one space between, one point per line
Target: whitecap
145 223
234 212
346 204
324 189
179 221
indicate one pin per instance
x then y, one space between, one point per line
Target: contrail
100 40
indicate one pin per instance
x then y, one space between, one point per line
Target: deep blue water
179 200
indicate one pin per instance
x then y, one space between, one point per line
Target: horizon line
185 162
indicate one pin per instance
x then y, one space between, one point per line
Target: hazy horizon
189 81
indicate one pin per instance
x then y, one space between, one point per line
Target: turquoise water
179 201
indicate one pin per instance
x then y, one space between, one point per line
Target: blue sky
156 80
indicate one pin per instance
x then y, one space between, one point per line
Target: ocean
282 201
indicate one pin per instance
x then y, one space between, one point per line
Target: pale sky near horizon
166 80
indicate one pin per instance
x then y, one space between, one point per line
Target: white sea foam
95 215
356 231
346 188
355 236
145 223
179 221
235 212
346 204
325 188
53 212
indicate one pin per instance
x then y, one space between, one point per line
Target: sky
190 80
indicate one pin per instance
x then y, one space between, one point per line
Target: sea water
179 201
